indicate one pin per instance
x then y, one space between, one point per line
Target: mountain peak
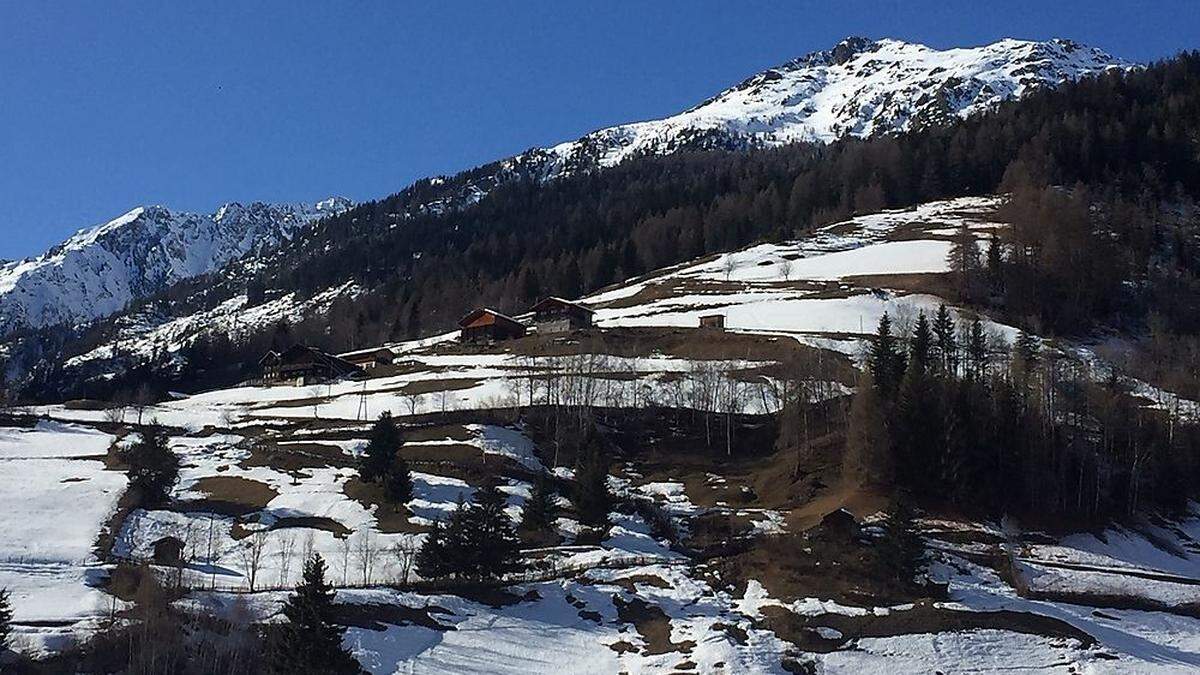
103 268
849 48
859 87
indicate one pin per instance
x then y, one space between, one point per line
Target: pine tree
477 543
917 429
884 359
967 472
995 265
977 356
153 468
540 510
945 346
309 641
6 615
491 536
868 459
397 483
964 260
384 442
900 553
593 501
1025 352
921 348
433 560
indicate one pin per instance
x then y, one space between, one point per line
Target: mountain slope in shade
102 269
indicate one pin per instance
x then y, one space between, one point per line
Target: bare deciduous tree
405 551
314 392
344 546
728 266
364 554
252 553
287 547
413 400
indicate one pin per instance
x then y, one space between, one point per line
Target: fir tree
945 347
495 549
884 359
900 553
433 560
153 468
593 501
309 641
397 483
921 349
6 615
540 510
868 458
384 442
477 543
994 264
1025 352
977 356
964 260
967 471
917 430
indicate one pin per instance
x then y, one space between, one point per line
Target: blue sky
106 106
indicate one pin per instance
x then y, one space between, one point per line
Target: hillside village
702 495
884 360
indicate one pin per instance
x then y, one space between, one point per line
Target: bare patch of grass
388 518
652 624
229 495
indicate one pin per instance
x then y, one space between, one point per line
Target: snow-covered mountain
101 269
860 88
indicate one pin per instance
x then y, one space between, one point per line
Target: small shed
168 550
556 315
488 325
839 526
714 321
370 359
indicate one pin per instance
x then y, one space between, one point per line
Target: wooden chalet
715 321
555 315
370 359
301 365
488 325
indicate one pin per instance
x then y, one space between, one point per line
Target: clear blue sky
108 105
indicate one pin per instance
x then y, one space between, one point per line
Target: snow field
54 499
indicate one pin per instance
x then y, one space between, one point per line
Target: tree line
954 416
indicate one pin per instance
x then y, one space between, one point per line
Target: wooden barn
370 359
300 365
715 321
555 315
488 325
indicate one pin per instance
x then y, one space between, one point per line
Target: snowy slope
859 88
102 269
